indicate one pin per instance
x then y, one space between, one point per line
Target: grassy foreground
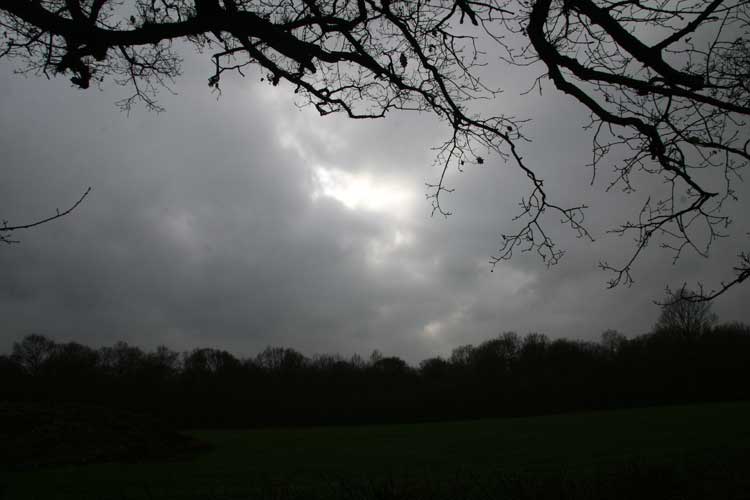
700 451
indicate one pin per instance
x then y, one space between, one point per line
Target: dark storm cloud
245 222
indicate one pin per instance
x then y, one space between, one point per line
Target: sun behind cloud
362 191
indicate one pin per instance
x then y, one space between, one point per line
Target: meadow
697 451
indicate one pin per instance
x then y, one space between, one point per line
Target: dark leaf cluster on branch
667 84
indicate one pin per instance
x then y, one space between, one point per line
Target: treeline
505 376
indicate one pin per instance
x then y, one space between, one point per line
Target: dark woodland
686 358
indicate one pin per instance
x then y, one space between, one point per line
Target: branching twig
6 229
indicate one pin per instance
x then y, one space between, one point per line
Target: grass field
697 451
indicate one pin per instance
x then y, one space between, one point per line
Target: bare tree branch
6 230
666 82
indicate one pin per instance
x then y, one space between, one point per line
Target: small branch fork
741 272
6 230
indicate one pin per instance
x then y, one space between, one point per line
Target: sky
243 221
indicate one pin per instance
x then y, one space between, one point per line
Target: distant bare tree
665 81
612 341
683 317
32 352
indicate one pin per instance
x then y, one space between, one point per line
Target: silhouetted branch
6 230
674 110
671 109
741 270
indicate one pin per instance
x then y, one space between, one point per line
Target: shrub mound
36 435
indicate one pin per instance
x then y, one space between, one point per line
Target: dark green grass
699 451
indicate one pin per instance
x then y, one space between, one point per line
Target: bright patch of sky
362 191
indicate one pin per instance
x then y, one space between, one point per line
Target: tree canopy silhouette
684 317
665 82
503 376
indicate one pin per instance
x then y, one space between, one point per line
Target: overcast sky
244 222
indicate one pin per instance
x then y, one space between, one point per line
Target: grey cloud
202 229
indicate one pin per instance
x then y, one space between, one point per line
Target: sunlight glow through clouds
362 191
180 227
437 330
380 250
